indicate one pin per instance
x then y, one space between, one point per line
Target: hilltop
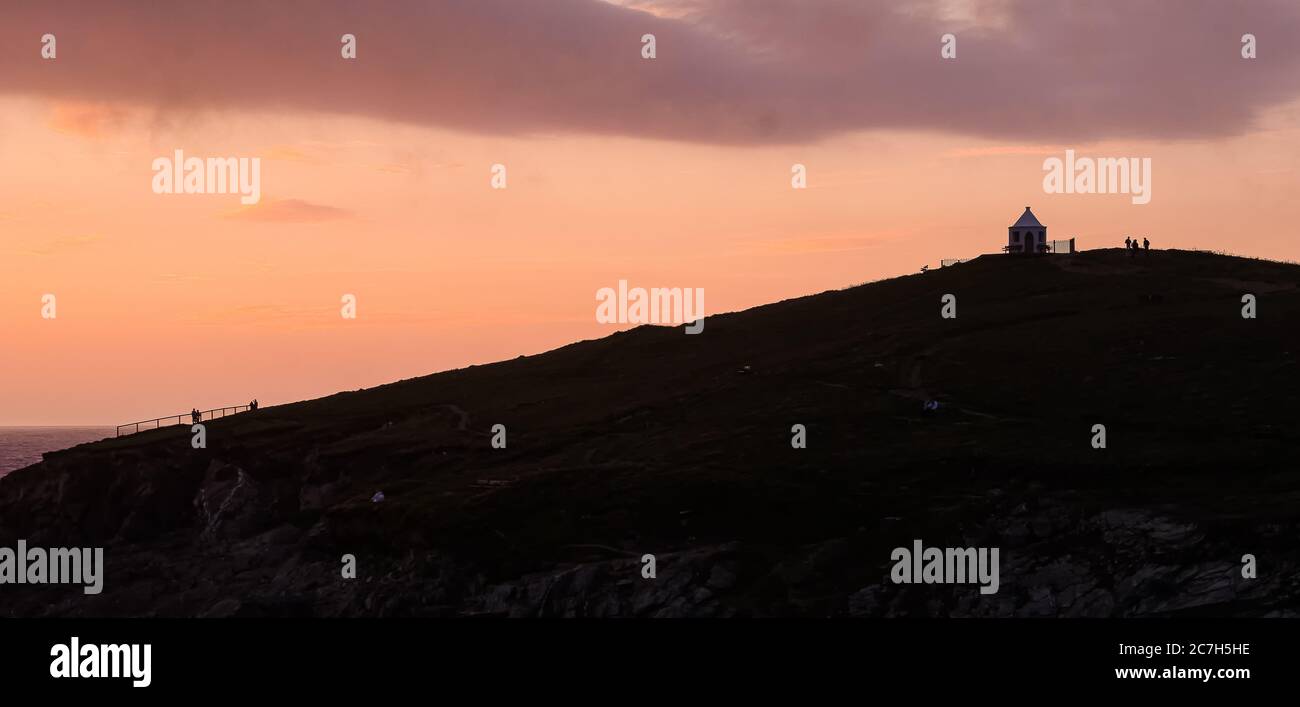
652 441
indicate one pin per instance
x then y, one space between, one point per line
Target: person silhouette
1128 242
1146 245
195 415
253 405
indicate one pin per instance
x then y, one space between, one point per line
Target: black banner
244 657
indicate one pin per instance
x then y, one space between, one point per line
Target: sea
23 446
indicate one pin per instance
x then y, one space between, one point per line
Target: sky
376 171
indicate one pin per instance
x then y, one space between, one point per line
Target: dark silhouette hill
652 441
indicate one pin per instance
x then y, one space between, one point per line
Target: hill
651 441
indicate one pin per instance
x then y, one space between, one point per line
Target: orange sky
168 302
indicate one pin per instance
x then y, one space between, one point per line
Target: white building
1027 235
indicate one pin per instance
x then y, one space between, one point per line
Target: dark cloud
289 211
728 71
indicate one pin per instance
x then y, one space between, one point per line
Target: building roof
1027 220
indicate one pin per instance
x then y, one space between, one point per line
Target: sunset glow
376 182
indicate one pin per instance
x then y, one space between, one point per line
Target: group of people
197 416
1132 245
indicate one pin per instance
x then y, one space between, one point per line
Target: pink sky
666 173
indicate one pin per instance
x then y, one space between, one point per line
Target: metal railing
1066 246
213 414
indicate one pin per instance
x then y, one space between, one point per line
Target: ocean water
23 446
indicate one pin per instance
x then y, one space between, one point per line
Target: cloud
288 211
727 71
819 244
181 278
61 245
287 316
288 153
392 168
1006 150
90 120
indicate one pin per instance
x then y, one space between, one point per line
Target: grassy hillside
652 441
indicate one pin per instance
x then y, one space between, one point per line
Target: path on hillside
914 384
1093 267
464 416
